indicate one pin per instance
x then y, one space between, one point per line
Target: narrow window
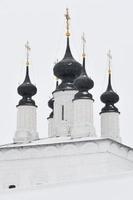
12 186
62 112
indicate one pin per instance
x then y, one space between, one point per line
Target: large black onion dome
109 97
27 90
51 105
83 83
67 70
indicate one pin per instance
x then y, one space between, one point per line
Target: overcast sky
107 25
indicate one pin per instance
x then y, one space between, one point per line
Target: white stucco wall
51 128
26 124
41 165
63 98
83 118
110 125
116 188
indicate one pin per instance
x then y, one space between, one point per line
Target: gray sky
107 24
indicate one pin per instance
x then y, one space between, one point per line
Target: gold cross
67 22
27 52
84 42
109 60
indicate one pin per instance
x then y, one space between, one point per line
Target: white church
72 152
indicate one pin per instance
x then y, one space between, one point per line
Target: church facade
72 151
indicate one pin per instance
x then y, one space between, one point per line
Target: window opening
62 112
12 186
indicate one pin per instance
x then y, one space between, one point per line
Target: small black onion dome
67 70
27 90
83 83
51 105
109 97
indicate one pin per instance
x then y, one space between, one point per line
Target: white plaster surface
63 127
110 125
78 116
111 188
32 166
26 124
83 118
51 128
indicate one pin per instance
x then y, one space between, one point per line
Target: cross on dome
84 42
27 52
67 22
109 60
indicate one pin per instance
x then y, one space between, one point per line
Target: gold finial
67 22
27 52
84 42
109 60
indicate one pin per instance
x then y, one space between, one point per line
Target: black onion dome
51 105
83 83
67 70
109 97
27 90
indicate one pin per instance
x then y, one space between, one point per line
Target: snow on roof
96 145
